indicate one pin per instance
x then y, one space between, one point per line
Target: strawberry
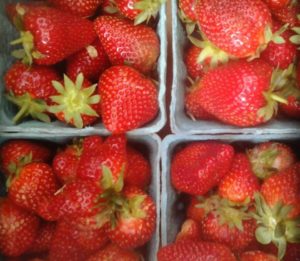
14 153
136 221
82 8
30 89
34 183
76 102
125 43
292 108
113 252
188 9
229 25
129 100
59 35
193 211
257 256
213 160
190 230
91 61
18 229
195 251
270 157
138 172
92 143
288 14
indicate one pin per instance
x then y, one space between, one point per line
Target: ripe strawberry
200 166
50 35
190 230
136 222
188 9
276 4
91 61
229 25
30 89
138 172
195 212
270 157
195 251
76 102
124 43
240 183
292 108
18 229
128 99
34 183
113 252
14 153
82 8
288 14
257 256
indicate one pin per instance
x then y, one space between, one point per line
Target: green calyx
274 225
73 100
295 39
36 108
149 8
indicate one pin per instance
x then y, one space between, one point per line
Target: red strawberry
30 89
292 108
138 172
128 99
280 54
14 152
77 7
270 157
257 256
76 102
124 43
240 183
190 230
188 9
34 183
229 25
136 222
195 251
193 211
113 252
92 143
18 229
288 14
200 166
276 4
91 61
51 35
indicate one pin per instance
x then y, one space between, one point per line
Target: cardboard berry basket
149 145
181 123
173 211
8 110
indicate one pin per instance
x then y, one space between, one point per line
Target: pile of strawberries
86 200
84 60
242 204
243 65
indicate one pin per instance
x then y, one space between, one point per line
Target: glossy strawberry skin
126 7
188 7
195 251
124 43
129 100
292 109
239 35
257 256
91 61
212 160
14 150
18 229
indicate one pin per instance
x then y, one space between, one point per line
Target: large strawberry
82 8
129 100
195 251
229 25
30 88
50 35
18 229
124 43
200 166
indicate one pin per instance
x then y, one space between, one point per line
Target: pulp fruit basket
8 110
149 145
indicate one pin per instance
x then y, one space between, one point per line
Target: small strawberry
195 251
76 102
195 212
91 61
18 229
200 166
34 183
190 230
50 35
30 89
129 100
82 8
276 4
15 152
270 157
257 256
126 44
